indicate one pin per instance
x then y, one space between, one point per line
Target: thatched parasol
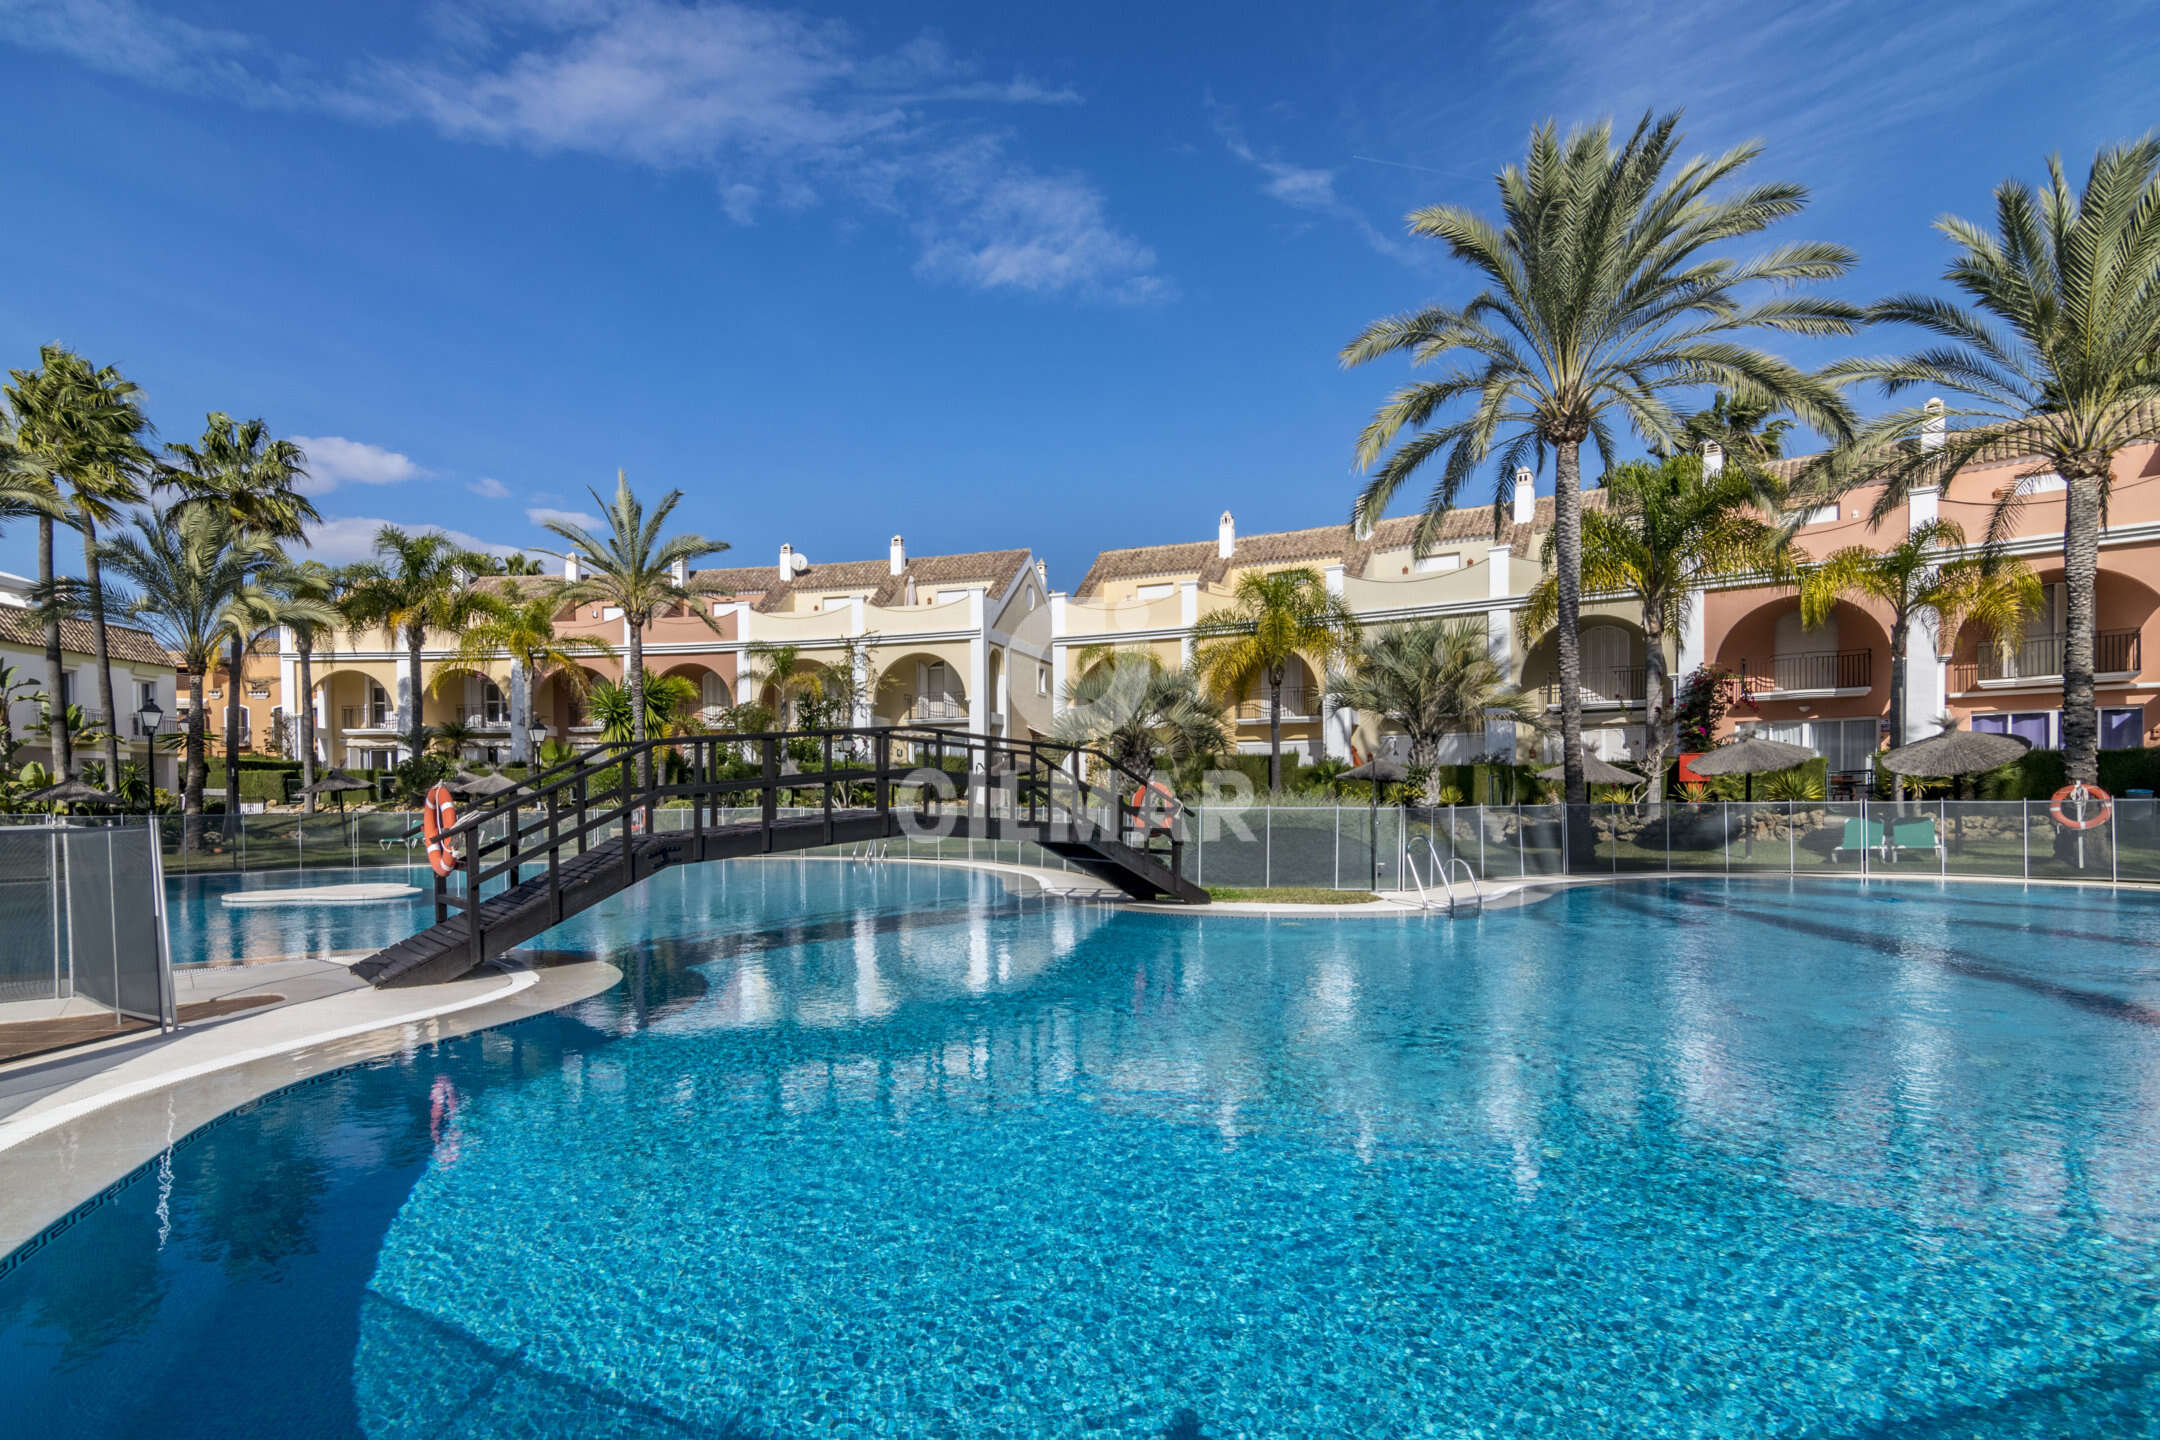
1955 752
335 782
481 786
71 791
1380 770
1751 757
1594 772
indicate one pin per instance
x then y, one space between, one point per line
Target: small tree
1272 620
1433 679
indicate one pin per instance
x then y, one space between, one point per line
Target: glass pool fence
82 909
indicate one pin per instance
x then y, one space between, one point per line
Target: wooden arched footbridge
569 838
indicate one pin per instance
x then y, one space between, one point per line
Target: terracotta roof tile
1322 546
993 569
77 637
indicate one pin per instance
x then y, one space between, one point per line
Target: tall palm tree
635 567
1433 679
1926 571
1601 301
519 623
1663 531
240 472
187 568
2052 357
1272 620
1128 706
82 430
308 581
414 588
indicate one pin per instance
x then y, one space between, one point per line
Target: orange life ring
2081 794
438 814
1155 806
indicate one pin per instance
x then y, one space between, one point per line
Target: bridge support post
881 753
769 792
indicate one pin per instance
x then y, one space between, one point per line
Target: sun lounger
1861 835
1919 834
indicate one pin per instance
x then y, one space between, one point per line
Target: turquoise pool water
205 930
859 1152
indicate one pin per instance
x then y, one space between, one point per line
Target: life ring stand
438 816
2082 795
1155 807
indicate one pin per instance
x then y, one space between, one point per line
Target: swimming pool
858 1152
205 930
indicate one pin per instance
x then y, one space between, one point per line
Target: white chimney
1713 458
680 571
1525 496
1225 537
1934 428
898 563
570 569
1042 574
787 563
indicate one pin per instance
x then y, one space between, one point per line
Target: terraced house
1826 687
142 677
959 641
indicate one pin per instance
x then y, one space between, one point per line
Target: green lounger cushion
1862 835
1913 834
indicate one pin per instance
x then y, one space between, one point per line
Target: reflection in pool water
889 1152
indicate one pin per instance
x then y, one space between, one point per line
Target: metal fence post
1267 847
2025 833
1338 849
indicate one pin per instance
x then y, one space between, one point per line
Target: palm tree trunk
415 728
1660 710
637 698
2081 564
1567 554
1900 636
96 583
56 739
1274 731
195 769
307 719
232 727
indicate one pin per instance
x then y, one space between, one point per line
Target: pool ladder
870 852
1443 881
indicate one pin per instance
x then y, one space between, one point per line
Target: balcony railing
1296 705
2040 657
934 709
484 717
362 717
1810 670
1607 686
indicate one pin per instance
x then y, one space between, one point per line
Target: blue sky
988 275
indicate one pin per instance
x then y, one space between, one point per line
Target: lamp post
536 734
147 720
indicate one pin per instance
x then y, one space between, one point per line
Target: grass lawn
1292 895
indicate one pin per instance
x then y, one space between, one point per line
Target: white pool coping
368 893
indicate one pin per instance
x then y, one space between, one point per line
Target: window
2037 726
1154 592
1031 600
1845 745
2040 484
67 688
494 709
2122 729
946 597
1432 563
257 690
145 693
612 612
1042 680
1815 515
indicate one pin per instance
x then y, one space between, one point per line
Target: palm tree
1601 302
1132 709
641 573
309 580
520 623
1744 431
1272 620
1433 679
668 701
251 480
1926 571
415 587
187 567
1663 531
454 737
80 429
2052 358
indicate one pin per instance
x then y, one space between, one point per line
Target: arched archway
356 719
1611 654
921 688
714 695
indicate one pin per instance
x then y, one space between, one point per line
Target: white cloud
342 539
542 515
488 488
332 460
1302 187
778 107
